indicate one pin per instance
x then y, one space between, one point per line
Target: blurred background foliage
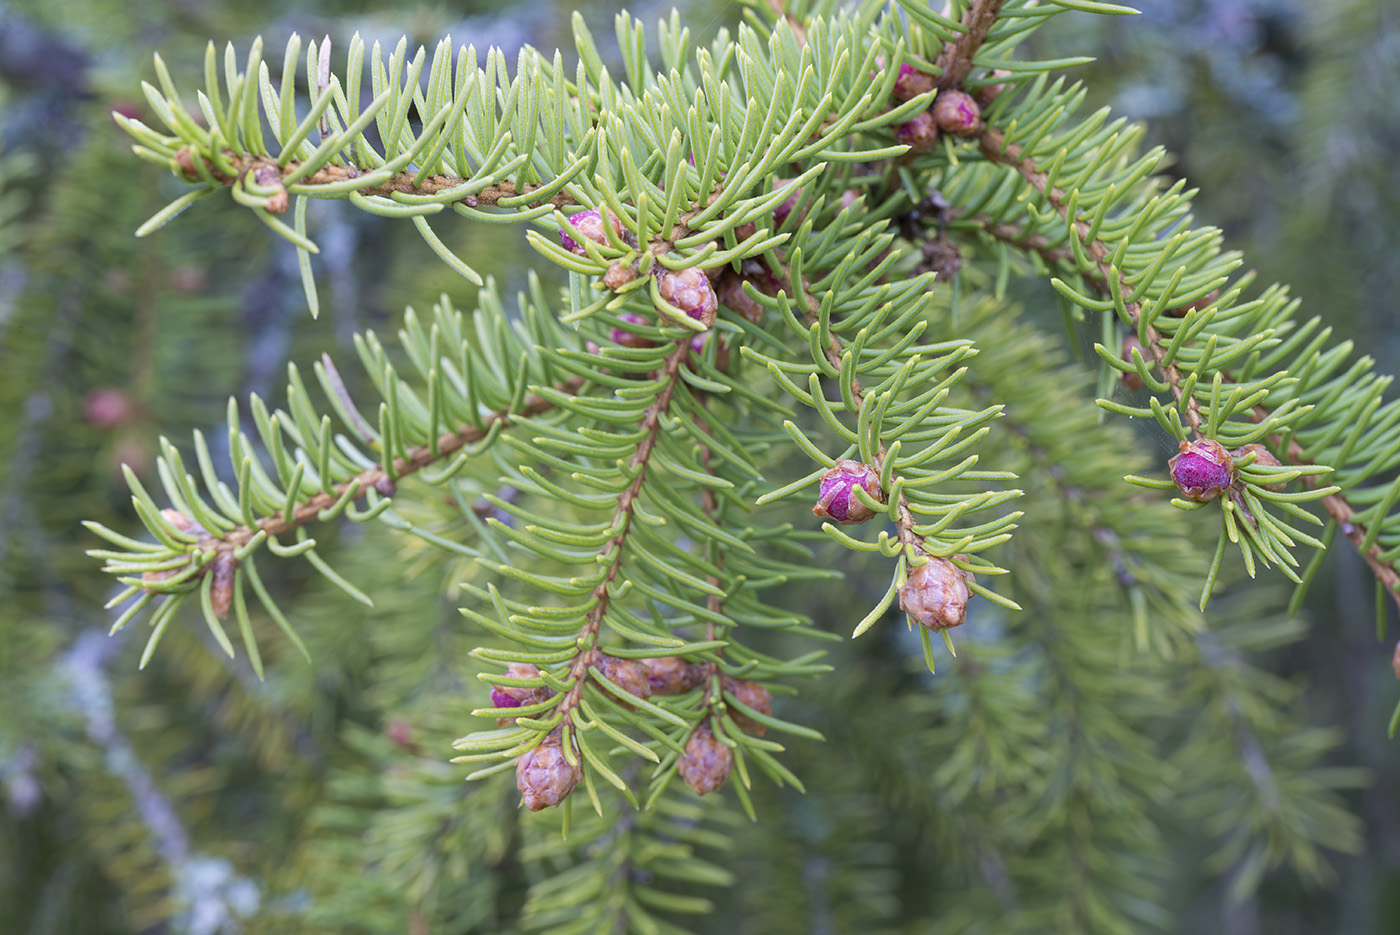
191 798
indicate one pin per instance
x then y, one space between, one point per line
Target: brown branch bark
622 522
955 60
419 457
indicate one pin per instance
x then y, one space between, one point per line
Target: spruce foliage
804 255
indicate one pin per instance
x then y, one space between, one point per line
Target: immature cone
672 675
1132 380
935 594
1263 457
221 591
627 338
706 763
690 291
990 92
957 113
838 501
618 275
730 289
108 408
544 776
755 696
587 225
630 675
919 134
1203 470
514 696
911 82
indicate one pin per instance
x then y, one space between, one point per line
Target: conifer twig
403 182
622 524
376 477
994 147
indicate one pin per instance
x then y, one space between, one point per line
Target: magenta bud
919 134
1203 470
690 291
911 82
500 698
957 113
589 225
838 501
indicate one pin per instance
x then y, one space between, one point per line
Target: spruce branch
1107 281
622 518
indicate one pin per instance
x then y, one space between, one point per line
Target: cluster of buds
588 225
706 763
838 500
547 774
935 594
270 177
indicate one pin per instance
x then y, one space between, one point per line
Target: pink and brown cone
706 763
935 594
1203 470
545 776
837 500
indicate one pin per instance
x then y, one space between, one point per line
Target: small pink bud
400 732
108 408
690 291
706 763
672 675
836 500
919 134
1203 470
630 675
935 594
618 275
628 338
755 696
590 226
545 776
988 93
957 113
911 82
1263 457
